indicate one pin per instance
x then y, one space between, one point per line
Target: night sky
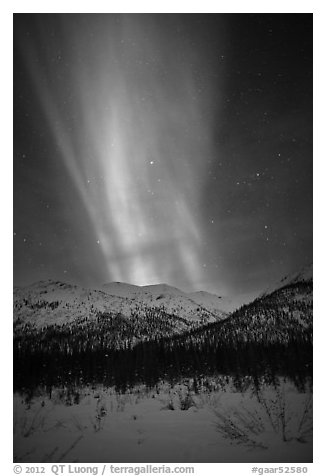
153 148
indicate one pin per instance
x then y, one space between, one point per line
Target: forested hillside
271 336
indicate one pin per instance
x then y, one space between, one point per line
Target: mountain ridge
51 301
305 274
54 302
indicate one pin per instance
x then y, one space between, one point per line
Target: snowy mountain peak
54 302
305 274
117 288
164 289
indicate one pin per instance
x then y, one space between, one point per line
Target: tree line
269 337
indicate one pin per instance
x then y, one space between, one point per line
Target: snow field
165 425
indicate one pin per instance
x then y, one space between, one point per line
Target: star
138 106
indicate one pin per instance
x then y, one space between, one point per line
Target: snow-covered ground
165 425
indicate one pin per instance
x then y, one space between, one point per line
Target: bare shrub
249 424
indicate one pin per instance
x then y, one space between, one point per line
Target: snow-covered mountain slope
188 306
283 317
53 302
122 289
163 289
305 274
169 295
224 303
